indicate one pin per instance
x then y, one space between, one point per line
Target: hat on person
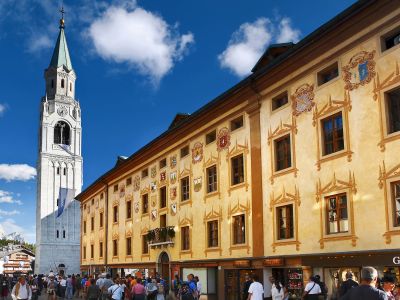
369 273
388 278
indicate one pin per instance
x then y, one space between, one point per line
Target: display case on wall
295 283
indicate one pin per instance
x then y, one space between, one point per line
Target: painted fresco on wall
154 214
360 70
174 208
303 99
172 161
153 172
223 139
153 186
153 201
163 176
136 206
197 182
197 152
136 183
122 191
173 193
172 177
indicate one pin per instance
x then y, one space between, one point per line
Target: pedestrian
246 286
62 285
107 283
366 290
348 284
93 292
78 286
185 293
4 290
51 288
21 290
322 286
34 287
256 289
115 291
151 289
312 289
160 289
138 290
388 285
276 289
192 285
69 292
198 285
176 284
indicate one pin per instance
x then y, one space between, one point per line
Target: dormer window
62 83
62 133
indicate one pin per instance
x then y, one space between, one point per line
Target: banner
65 198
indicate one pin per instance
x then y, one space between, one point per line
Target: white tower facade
59 167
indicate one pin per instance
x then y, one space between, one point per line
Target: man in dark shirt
366 290
246 286
348 284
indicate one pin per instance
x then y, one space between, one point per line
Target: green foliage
5 242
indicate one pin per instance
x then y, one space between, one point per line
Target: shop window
185 238
91 251
101 219
145 204
390 40
328 74
283 156
145 173
211 137
115 214
84 226
396 202
128 209
332 134
237 169
129 246
163 221
239 230
237 123
212 234
393 110
163 163
84 252
115 188
280 101
336 214
163 197
184 151
185 189
128 181
285 222
115 248
212 179
145 244
92 223
101 249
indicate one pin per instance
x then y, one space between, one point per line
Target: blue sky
138 64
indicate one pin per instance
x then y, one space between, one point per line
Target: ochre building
294 171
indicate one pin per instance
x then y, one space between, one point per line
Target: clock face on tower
62 111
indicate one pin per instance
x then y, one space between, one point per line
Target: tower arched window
70 86
62 133
52 83
62 83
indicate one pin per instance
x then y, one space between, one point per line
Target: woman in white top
277 291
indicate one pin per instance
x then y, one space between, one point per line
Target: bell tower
59 166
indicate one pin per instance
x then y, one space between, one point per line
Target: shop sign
273 262
396 260
242 263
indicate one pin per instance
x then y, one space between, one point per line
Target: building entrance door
164 266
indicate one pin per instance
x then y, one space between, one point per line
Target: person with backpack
93 292
348 284
192 285
176 285
151 289
51 288
115 291
138 290
78 286
4 291
312 290
21 290
323 287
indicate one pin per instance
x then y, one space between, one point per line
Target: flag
65 197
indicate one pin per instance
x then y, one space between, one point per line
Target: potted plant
171 232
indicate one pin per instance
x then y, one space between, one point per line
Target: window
63 234
393 108
145 173
128 209
65 171
239 230
336 214
129 246
58 233
70 87
115 188
332 128
211 137
129 181
84 226
58 170
92 251
237 123
115 214
115 248
185 189
163 197
185 238
145 244
163 163
93 201
237 169
58 202
391 39
92 223
101 249
62 83
212 230
52 83
163 221
283 158
280 101
184 151
84 252
145 204
101 195
396 202
61 134
101 219
212 179
328 74
285 222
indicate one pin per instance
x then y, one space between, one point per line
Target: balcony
159 237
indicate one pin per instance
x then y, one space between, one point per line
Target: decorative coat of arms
172 177
223 139
360 70
153 172
172 161
173 193
197 152
122 191
153 186
174 208
197 183
302 99
136 206
153 201
163 176
154 214
136 183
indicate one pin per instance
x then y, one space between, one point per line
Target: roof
61 54
272 52
179 117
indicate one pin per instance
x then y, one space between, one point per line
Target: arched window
62 83
70 86
52 83
62 133
58 234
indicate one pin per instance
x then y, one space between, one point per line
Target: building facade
292 172
59 167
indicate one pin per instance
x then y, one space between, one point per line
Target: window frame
129 210
115 214
330 67
182 192
214 184
115 248
388 114
101 219
210 231
184 149
232 173
143 196
234 241
128 242
277 97
145 245
233 122
84 252
290 228
394 198
335 148
288 163
128 181
92 223
144 173
91 251
185 238
338 210
211 133
383 38
163 197
163 163
100 249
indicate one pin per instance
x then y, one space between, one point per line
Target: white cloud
7 197
249 42
9 226
21 172
286 32
139 38
9 212
40 42
2 109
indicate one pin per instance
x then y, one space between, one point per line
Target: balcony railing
162 236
